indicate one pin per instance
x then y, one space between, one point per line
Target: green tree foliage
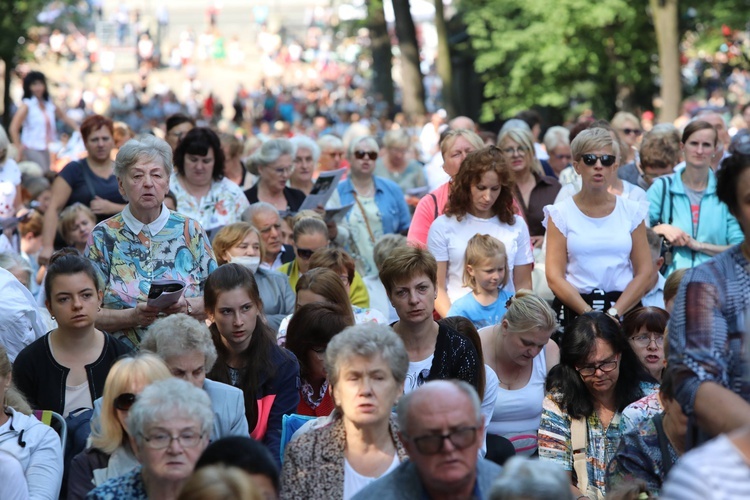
561 53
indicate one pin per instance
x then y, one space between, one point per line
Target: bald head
462 122
436 397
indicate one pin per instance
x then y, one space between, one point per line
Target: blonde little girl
486 274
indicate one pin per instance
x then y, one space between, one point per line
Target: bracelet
190 312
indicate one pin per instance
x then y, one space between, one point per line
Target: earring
53 318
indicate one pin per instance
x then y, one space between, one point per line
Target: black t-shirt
294 197
73 174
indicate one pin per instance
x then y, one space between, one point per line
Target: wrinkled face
199 169
74 301
414 299
397 155
699 149
559 158
175 462
99 144
456 154
518 155
276 174
523 347
602 358
145 185
190 366
484 194
235 316
363 158
366 390
304 166
452 466
269 225
331 158
175 134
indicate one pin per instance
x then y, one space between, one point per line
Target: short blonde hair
592 139
528 312
68 219
523 138
232 235
451 137
219 482
482 247
396 138
618 121
144 367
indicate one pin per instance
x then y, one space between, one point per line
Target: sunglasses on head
634 131
360 155
590 160
124 401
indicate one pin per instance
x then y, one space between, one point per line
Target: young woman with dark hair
66 369
248 355
598 376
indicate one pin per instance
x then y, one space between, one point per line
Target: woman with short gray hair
366 366
170 424
146 242
379 204
526 479
274 163
398 164
306 156
185 345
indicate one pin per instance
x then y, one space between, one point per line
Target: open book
165 293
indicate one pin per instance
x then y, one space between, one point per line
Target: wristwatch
613 313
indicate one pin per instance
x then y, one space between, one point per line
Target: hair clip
509 302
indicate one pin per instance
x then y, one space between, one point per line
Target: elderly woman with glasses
379 206
199 185
110 454
169 425
597 251
366 366
598 376
274 161
146 242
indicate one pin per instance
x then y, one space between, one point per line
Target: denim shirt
390 201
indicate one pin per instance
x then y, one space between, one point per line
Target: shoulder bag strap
364 217
671 200
88 177
666 457
434 200
578 438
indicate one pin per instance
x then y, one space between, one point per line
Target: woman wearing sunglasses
597 252
598 376
65 370
379 206
110 454
685 208
629 131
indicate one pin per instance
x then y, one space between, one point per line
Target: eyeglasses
360 155
461 438
644 340
607 160
306 253
632 131
160 440
282 171
606 367
124 401
520 150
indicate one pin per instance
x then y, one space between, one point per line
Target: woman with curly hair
480 201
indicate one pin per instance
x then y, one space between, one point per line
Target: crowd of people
301 316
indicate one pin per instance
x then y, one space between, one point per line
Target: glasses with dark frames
591 159
360 155
124 401
461 438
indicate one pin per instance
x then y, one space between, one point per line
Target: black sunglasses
124 401
304 253
360 155
607 160
635 131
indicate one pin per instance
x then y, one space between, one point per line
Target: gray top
276 294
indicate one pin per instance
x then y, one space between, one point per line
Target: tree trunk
411 75
444 66
382 55
665 16
7 103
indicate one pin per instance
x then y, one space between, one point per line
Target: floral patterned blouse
126 487
127 263
224 204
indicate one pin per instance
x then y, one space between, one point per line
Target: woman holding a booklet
146 245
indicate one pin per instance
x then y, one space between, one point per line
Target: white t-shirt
598 248
448 238
10 178
354 482
417 373
629 192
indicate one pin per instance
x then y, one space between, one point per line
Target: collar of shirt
137 226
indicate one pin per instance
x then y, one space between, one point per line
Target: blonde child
76 223
486 274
